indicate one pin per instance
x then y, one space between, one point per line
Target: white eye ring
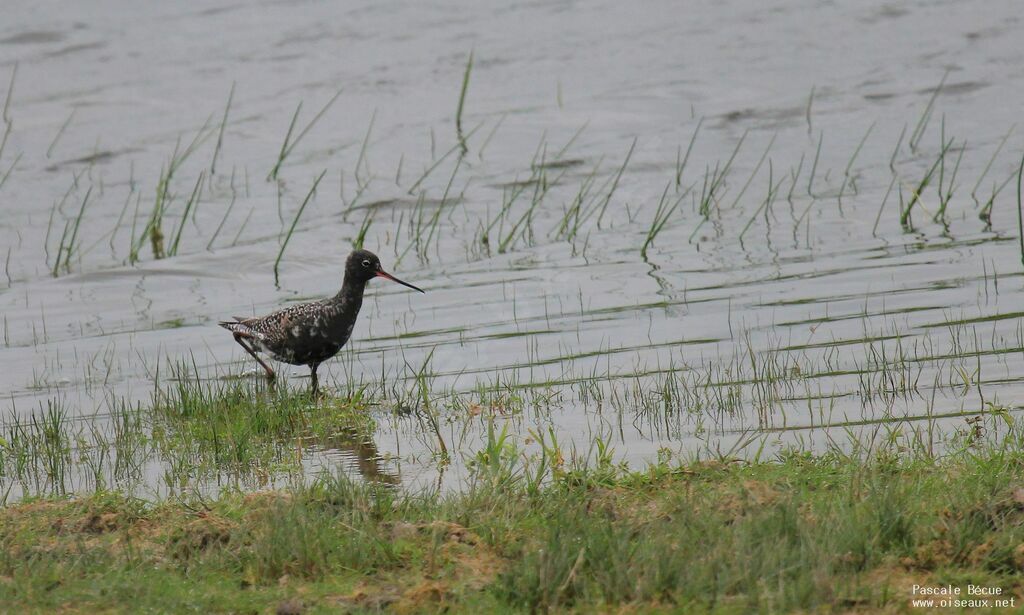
366 263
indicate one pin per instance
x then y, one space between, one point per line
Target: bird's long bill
388 276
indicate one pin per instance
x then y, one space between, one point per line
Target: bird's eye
366 263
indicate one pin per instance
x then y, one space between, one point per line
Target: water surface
796 307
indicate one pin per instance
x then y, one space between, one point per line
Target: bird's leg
312 376
252 353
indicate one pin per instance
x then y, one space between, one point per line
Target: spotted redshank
310 333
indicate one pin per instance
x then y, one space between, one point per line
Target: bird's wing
276 325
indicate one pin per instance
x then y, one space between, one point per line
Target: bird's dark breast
310 342
314 353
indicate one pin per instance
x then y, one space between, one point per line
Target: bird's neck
351 291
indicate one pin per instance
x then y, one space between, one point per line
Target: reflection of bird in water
362 449
310 333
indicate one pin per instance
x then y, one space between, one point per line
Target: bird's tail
236 326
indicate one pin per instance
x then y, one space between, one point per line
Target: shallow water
858 324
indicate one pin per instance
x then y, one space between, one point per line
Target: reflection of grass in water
552 530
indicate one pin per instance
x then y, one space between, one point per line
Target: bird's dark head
363 265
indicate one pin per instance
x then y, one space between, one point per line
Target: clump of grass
661 217
988 165
230 427
896 150
37 451
585 204
361 170
418 399
330 527
766 204
814 166
926 115
10 169
985 213
153 231
753 174
915 196
360 239
220 131
946 189
848 179
5 115
295 221
437 162
227 213
66 250
60 132
714 183
192 431
681 162
462 103
289 143
881 206
190 204
1020 209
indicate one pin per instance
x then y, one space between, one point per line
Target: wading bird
310 333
